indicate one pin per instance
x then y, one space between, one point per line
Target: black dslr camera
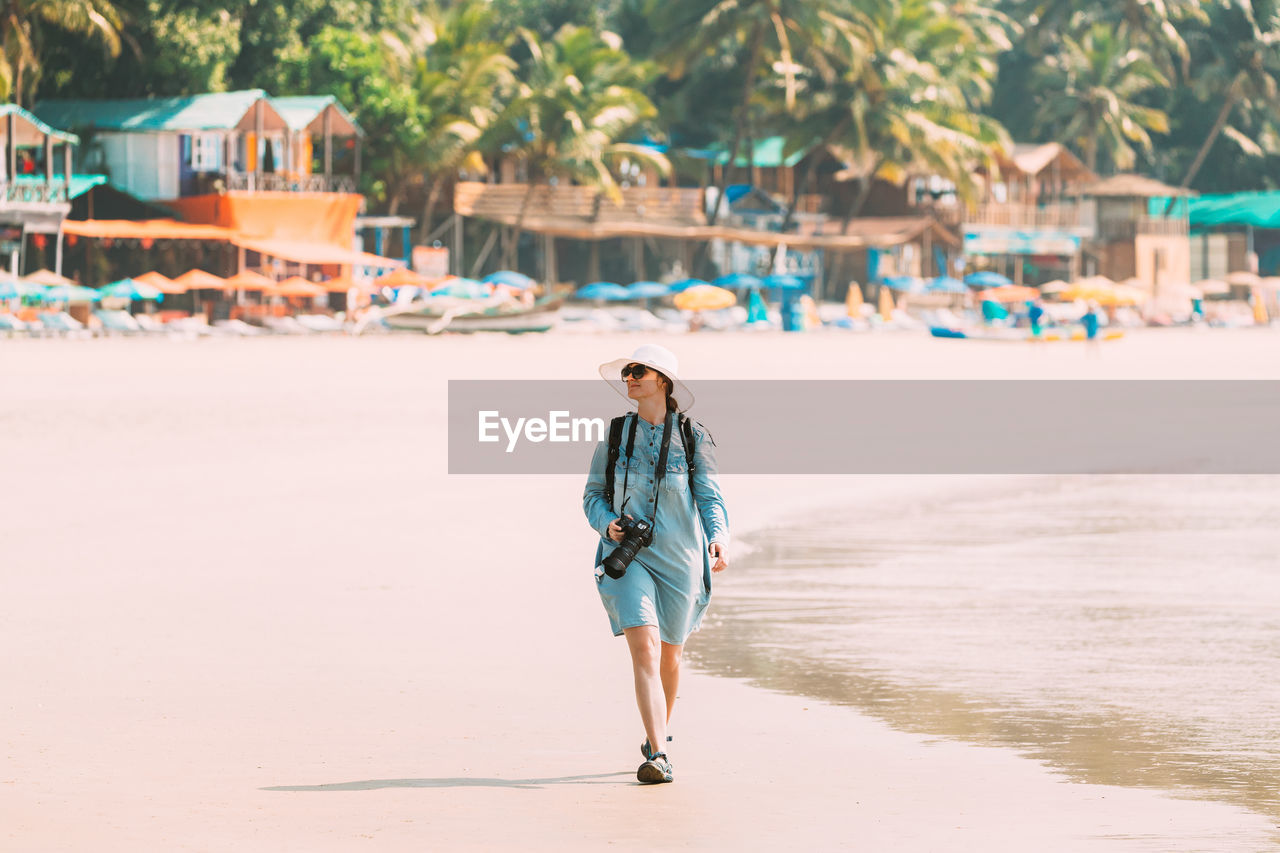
636 534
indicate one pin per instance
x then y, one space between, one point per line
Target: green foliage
1180 88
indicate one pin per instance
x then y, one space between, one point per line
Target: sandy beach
247 608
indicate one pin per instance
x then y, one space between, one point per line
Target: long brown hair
669 387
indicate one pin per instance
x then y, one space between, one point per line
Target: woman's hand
615 531
721 556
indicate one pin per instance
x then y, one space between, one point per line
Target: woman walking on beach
664 475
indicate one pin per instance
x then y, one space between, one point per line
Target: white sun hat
660 359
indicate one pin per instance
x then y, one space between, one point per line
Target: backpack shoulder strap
686 435
615 442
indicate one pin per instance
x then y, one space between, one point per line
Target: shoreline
303 634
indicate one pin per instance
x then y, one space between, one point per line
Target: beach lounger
64 325
12 326
319 322
285 326
150 324
237 327
117 322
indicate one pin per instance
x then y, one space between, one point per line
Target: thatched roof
1131 186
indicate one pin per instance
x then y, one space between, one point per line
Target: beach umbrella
401 276
785 282
1055 286
647 290
70 293
510 278
1211 286
946 284
47 278
686 284
603 290
987 278
853 300
904 283
201 280
295 286
164 284
127 288
1009 293
15 288
705 297
737 281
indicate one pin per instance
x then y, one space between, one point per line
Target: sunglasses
636 370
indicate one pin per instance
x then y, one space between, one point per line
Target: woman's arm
706 488
595 503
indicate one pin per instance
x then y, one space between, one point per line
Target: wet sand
246 608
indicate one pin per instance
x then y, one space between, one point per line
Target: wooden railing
277 182
35 192
1127 229
505 201
1061 215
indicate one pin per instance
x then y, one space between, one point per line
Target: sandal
656 769
644 747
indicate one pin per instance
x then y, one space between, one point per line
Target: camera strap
662 461
662 464
631 444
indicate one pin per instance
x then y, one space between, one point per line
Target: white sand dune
245 608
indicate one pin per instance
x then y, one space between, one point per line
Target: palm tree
906 99
460 72
1243 39
1092 90
755 32
21 25
577 98
1156 25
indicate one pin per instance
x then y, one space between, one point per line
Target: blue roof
216 111
35 127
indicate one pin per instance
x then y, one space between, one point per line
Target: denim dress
668 584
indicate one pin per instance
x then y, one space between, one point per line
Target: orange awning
154 229
314 253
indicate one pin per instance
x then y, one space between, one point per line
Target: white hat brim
611 372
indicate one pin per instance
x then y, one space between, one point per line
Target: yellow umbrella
853 300
705 297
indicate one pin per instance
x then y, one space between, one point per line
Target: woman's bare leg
670 668
645 656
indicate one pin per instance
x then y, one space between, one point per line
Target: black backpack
615 444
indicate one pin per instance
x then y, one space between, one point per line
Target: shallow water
1124 629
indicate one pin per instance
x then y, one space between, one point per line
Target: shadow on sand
459 782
